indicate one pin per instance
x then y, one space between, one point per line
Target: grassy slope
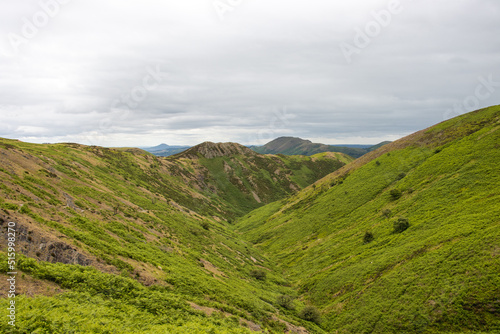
248 182
442 274
132 215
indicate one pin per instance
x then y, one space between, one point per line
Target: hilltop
404 239
294 146
164 150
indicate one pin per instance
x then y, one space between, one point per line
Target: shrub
205 225
401 225
387 213
396 194
285 301
258 274
401 176
310 313
368 237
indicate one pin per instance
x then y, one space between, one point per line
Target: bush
310 313
258 274
285 301
401 225
387 213
396 194
368 237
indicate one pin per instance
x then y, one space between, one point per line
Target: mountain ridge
299 146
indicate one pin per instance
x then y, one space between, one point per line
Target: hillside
403 240
237 175
298 146
105 227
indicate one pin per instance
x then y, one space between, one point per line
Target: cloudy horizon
124 73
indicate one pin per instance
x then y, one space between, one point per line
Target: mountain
298 146
403 240
164 150
142 242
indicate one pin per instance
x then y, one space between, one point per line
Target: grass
165 255
441 274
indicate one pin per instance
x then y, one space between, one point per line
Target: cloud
124 73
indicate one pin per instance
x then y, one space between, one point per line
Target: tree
285 301
258 274
368 237
396 194
310 313
401 225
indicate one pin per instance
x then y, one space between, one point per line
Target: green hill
403 240
298 146
142 243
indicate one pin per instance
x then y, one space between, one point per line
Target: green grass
441 274
161 232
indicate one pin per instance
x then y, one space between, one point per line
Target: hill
298 146
403 240
138 241
164 150
247 180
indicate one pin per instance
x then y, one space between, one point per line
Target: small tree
368 237
310 313
285 301
396 194
259 274
401 225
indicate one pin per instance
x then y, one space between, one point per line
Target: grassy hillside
344 244
298 146
139 242
246 180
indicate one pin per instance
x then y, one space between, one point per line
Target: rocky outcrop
35 243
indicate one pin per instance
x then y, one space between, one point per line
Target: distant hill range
298 146
164 150
282 145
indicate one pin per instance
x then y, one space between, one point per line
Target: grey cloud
226 80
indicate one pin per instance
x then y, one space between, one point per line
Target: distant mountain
164 150
298 146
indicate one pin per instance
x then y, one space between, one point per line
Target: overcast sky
140 73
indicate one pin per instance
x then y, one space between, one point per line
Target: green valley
221 239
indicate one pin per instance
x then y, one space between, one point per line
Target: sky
141 73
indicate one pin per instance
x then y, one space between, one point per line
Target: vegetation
310 313
440 275
122 241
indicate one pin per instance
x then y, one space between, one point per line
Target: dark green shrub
401 225
259 274
368 237
285 301
396 194
310 313
205 225
401 176
387 213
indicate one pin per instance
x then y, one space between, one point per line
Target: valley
219 238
